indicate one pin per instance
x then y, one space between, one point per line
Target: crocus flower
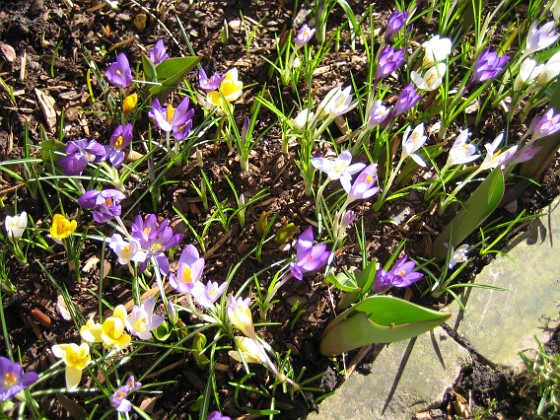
12 378
528 72
189 271
119 141
113 334
435 50
390 60
347 219
207 295
550 70
208 84
377 114
495 158
545 125
303 36
400 275
406 100
216 415
129 103
302 120
76 358
175 120
539 38
487 66
239 314
412 142
126 251
142 321
458 255
336 102
119 73
16 225
364 185
79 153
339 168
252 351
396 22
432 79
107 203
528 152
230 90
158 53
309 257
461 152
119 398
61 227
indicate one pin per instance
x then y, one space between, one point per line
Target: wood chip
62 309
8 52
47 104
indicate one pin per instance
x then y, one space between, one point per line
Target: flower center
9 379
186 276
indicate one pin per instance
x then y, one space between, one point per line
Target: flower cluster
111 333
107 203
221 90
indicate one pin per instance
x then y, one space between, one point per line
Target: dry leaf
8 52
90 264
62 309
47 103
140 21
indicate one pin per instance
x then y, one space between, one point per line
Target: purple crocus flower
406 100
207 295
400 275
309 257
487 66
175 120
216 415
79 153
303 36
106 202
377 114
158 53
539 38
545 125
119 398
119 73
364 185
389 60
119 141
208 84
12 378
189 271
396 21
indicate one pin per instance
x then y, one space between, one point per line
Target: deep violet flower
406 100
178 120
396 22
158 53
107 203
389 61
119 141
12 378
119 72
309 257
400 275
208 84
487 66
79 153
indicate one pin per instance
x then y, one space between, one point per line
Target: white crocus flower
413 142
435 50
16 225
431 80
458 255
461 152
301 121
126 251
494 157
550 70
528 72
540 38
338 168
337 102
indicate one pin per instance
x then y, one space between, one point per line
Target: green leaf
162 332
343 282
378 319
198 351
149 69
48 147
170 73
367 276
479 206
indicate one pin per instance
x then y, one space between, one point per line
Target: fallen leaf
8 52
62 309
47 103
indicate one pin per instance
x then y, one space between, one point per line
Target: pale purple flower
12 378
127 251
526 153
79 153
364 185
189 271
377 114
119 141
487 66
158 53
303 36
545 125
175 120
400 275
106 202
406 100
494 157
207 295
208 84
397 20
142 321
119 73
461 152
216 415
309 257
458 255
539 38
412 142
339 168
119 398
347 220
389 61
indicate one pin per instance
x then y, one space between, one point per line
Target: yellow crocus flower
112 333
130 103
230 90
76 358
61 227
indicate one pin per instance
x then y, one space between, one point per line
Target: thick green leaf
49 149
149 69
367 276
479 206
343 282
170 73
378 319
